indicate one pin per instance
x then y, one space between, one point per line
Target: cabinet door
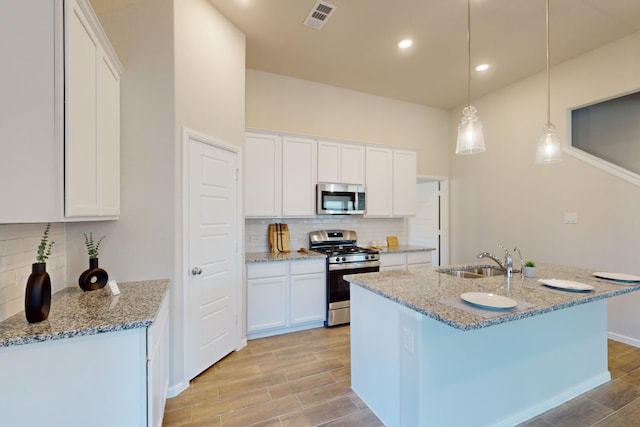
299 176
352 164
81 143
418 259
379 181
266 303
109 138
308 291
31 168
263 175
329 161
396 261
404 183
92 117
158 365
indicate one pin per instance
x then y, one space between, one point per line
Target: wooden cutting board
279 239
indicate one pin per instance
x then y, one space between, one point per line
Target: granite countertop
251 257
403 249
75 313
436 294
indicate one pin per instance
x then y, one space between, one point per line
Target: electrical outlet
408 341
570 218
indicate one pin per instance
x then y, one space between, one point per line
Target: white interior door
213 259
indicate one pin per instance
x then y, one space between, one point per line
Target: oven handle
353 265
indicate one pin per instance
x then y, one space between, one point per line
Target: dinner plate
487 300
566 285
620 277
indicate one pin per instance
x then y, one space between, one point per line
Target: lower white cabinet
405 260
285 296
117 378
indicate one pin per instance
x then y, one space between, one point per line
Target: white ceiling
357 48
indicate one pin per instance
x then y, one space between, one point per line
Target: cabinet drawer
423 257
266 269
307 267
393 259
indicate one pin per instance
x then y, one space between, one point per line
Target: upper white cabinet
92 117
341 162
60 125
280 176
263 175
379 180
391 182
299 176
404 182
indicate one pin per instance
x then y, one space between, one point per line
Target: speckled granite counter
425 290
250 257
75 313
404 249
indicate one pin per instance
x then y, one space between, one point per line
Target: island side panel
501 375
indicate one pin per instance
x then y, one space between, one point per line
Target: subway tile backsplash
368 229
18 250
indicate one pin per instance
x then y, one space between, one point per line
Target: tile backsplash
368 229
18 250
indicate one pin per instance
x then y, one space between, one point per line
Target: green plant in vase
95 277
529 269
44 249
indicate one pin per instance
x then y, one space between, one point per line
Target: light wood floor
303 379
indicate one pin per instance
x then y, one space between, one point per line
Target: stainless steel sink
473 272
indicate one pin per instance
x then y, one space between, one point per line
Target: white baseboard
624 339
176 389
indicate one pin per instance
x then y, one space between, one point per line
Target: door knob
196 271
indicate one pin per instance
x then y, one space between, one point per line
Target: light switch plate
571 218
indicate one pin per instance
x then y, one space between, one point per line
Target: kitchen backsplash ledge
368 229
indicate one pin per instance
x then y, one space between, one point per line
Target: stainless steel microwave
340 199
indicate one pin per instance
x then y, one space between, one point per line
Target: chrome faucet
521 261
507 265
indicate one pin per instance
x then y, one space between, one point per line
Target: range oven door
338 289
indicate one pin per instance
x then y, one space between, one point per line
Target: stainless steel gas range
344 257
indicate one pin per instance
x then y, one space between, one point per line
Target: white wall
286 104
184 66
500 197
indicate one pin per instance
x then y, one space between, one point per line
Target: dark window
610 130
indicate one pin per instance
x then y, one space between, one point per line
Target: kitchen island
422 357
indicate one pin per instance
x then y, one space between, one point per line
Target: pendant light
470 136
548 150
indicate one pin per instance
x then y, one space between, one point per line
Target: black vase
93 278
37 298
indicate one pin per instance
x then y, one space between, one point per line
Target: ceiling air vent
319 15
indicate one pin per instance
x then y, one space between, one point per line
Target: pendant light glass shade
470 136
548 150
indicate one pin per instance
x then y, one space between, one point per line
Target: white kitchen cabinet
404 260
299 176
285 296
60 133
263 175
280 176
393 261
267 296
340 162
379 180
391 182
116 378
404 182
308 286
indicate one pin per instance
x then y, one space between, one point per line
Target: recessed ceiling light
406 43
482 67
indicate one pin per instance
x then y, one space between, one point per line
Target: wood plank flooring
303 379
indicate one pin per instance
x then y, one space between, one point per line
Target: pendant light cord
469 51
548 70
